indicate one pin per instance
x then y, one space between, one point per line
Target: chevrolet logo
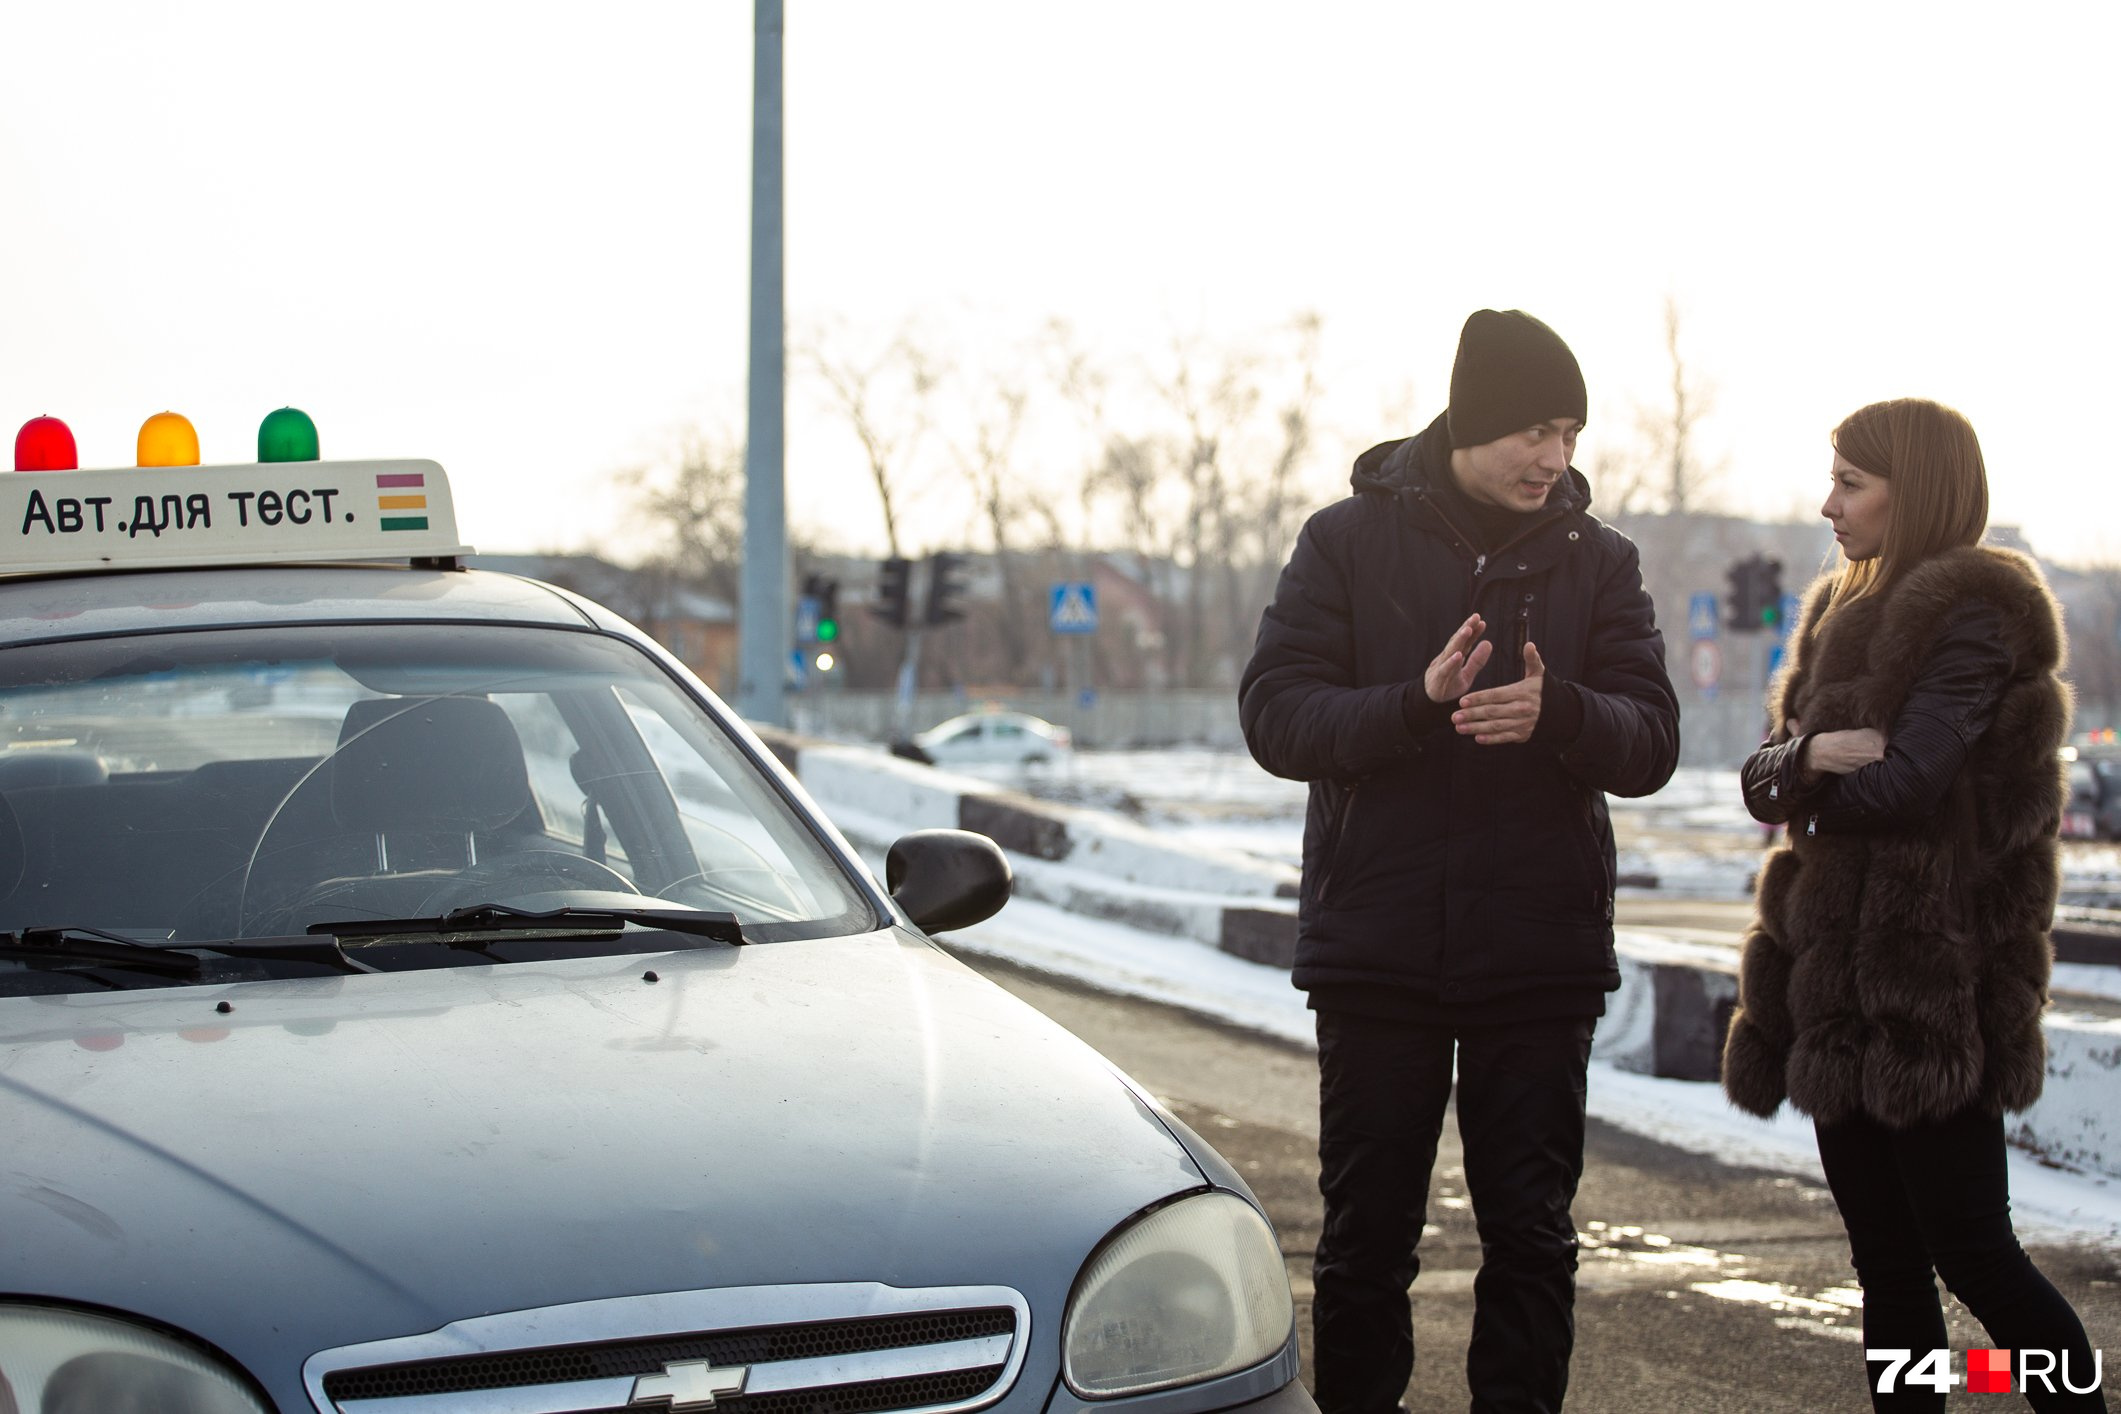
691 1384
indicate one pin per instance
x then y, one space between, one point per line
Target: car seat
417 788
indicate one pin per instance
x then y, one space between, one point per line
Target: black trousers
1935 1201
1383 1086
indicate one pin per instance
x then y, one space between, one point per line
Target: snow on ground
1693 835
2049 1204
2088 980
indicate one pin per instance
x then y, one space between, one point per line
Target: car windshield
200 786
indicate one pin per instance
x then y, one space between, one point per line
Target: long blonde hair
1939 486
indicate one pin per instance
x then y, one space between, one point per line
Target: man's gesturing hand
1504 714
1452 674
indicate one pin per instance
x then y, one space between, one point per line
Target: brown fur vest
1902 974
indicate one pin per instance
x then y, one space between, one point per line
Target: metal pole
764 629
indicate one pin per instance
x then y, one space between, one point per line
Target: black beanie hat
1512 372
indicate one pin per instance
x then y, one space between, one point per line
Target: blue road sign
1701 616
1790 605
806 611
1073 607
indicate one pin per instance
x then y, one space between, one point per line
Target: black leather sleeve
1771 780
1952 702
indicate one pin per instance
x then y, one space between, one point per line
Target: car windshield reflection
251 783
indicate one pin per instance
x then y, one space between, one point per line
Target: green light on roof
287 435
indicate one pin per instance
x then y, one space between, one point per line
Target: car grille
923 1351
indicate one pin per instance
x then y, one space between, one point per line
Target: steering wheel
549 868
772 899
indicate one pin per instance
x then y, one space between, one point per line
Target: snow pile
1692 839
2049 1203
1124 906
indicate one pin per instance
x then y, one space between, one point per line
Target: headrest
427 763
20 770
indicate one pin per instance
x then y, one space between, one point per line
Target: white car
995 738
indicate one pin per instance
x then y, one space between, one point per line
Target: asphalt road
1702 1286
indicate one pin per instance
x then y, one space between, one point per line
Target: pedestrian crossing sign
1073 607
1701 616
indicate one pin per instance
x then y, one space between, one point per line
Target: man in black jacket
1461 661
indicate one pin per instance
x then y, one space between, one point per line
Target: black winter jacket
1477 880
1951 704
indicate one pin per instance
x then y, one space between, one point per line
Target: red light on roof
45 444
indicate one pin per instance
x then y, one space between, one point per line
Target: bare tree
1084 386
1670 432
985 460
888 401
698 508
1246 419
1118 468
1620 480
1282 506
1213 397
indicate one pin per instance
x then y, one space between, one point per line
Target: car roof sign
255 513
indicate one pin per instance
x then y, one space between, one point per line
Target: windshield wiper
77 944
473 927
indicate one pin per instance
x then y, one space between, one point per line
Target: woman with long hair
1893 980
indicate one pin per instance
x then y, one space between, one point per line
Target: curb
1667 1020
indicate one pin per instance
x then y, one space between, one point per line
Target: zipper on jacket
1522 634
1811 826
1333 843
1480 559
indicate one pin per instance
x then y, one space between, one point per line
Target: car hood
343 1159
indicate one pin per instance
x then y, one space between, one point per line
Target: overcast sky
513 238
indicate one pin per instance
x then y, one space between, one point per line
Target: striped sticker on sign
402 491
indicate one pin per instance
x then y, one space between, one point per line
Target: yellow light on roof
167 439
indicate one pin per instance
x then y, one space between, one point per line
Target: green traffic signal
828 630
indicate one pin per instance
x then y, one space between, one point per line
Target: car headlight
1190 1292
58 1361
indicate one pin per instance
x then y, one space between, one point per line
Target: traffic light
1755 600
894 581
945 587
828 610
1769 583
1744 598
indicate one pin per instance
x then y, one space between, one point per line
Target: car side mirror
947 879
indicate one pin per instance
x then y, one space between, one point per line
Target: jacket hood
1407 464
345 1159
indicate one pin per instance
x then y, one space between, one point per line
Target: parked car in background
995 739
2080 813
2093 809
